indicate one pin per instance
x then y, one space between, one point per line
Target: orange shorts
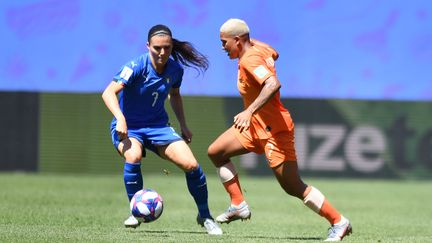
278 148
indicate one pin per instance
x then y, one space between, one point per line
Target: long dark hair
183 52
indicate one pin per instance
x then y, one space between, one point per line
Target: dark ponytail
183 52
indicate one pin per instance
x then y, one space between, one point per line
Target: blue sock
197 185
132 178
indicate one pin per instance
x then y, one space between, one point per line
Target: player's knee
217 156
190 166
133 157
213 153
210 151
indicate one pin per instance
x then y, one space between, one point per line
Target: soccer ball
146 205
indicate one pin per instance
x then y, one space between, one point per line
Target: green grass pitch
91 208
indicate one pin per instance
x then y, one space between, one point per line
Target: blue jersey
143 96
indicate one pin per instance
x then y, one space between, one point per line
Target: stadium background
356 78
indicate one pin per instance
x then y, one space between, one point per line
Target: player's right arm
109 96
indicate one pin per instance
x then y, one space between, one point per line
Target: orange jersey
255 66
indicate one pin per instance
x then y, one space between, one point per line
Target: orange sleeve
273 53
256 66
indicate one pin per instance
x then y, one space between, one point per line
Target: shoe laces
332 231
210 224
212 227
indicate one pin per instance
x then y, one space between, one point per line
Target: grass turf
91 208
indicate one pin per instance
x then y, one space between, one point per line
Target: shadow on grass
168 233
280 238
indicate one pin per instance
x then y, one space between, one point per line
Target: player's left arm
176 102
269 87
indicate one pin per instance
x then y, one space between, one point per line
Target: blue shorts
149 137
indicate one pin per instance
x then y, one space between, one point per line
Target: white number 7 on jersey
155 96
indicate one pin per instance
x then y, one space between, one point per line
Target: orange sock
234 190
330 213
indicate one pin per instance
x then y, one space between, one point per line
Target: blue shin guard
132 178
197 185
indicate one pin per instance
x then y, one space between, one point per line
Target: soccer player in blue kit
140 121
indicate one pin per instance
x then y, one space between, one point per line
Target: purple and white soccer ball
146 205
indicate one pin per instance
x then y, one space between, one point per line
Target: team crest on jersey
261 71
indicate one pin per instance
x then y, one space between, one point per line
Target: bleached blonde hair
235 27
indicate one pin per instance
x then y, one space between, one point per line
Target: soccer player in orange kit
264 126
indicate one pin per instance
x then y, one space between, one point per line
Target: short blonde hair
235 27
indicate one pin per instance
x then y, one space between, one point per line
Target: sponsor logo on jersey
261 71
